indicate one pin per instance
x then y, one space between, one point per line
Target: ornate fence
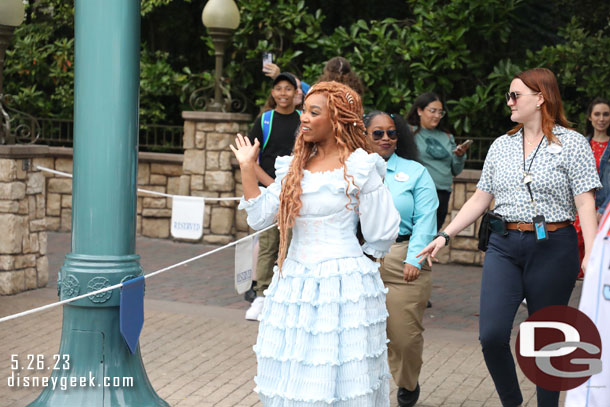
153 137
168 139
477 151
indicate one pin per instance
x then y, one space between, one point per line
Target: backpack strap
266 124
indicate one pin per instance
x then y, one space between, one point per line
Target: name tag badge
554 148
401 177
540 228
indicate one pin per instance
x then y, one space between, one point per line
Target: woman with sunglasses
409 283
437 149
540 174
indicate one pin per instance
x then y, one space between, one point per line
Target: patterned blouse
558 172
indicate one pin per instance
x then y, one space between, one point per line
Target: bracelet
445 235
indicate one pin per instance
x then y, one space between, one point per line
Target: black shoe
407 398
250 295
429 305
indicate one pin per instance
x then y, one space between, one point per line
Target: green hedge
465 50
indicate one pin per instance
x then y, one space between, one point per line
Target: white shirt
595 302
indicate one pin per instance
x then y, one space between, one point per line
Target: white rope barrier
154 273
146 191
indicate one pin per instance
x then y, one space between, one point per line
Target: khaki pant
268 249
406 304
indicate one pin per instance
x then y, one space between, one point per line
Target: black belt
403 238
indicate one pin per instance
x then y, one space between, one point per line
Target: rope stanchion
154 273
145 191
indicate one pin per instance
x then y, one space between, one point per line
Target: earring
537 107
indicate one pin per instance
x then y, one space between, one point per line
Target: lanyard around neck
527 179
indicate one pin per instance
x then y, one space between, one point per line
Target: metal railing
55 132
168 139
477 151
159 138
153 137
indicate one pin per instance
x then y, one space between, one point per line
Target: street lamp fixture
221 17
11 15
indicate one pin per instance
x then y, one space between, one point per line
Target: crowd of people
361 202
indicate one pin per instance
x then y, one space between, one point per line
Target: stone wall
463 247
210 170
23 238
159 173
156 172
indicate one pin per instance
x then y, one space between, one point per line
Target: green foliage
284 27
443 48
582 65
465 50
38 73
161 86
146 6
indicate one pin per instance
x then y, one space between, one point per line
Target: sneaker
255 309
407 398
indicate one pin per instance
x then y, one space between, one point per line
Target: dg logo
559 348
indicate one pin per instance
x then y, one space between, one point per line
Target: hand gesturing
246 152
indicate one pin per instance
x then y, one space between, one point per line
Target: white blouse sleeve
263 209
379 219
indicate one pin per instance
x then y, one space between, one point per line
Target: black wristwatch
445 235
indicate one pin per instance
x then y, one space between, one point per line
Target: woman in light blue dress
322 336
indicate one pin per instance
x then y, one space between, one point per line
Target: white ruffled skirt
322 336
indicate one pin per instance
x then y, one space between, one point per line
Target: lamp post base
96 368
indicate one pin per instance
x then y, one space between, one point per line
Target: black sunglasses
515 95
378 134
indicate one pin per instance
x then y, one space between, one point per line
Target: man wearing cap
276 131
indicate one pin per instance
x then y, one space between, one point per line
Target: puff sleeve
379 219
262 209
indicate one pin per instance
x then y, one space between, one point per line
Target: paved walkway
197 347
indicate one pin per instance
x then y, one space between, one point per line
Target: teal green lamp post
106 86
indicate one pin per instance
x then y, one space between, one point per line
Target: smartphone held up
267 58
464 146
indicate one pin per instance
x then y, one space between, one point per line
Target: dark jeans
518 267
443 207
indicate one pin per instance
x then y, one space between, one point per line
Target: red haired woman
322 335
541 173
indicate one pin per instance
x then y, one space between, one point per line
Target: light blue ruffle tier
322 337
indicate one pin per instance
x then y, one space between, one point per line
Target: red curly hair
345 111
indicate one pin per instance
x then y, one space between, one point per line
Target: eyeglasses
514 95
435 110
378 134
